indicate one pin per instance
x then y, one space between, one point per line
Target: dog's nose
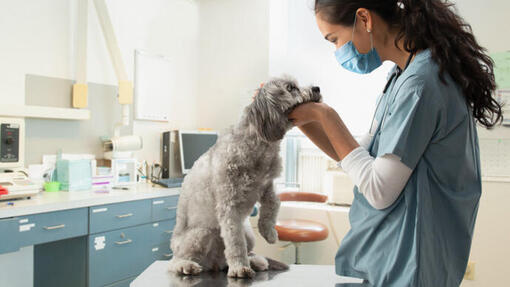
316 89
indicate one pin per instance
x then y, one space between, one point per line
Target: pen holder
52 186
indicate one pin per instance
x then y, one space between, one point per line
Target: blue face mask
349 57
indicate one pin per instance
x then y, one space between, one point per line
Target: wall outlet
470 271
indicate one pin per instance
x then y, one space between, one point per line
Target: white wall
490 248
233 58
487 19
35 39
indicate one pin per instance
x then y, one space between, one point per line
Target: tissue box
74 175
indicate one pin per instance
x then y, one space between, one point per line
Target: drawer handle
55 227
169 231
123 242
168 254
171 208
125 215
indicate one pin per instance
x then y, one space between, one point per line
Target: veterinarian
417 171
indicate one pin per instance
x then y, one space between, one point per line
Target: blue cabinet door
52 226
119 254
119 215
9 240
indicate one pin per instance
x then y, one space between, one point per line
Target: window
297 48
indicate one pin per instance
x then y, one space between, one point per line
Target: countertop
157 275
62 200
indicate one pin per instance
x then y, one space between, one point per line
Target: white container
124 171
338 187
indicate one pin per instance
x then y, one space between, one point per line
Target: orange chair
297 231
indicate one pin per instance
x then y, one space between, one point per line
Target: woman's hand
306 113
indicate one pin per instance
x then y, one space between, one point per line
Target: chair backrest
302 196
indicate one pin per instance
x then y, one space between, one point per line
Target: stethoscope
393 76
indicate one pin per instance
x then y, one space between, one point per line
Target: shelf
43 112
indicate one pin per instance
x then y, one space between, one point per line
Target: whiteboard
154 83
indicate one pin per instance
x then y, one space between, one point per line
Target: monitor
193 144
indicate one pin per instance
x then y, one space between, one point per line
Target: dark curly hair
434 25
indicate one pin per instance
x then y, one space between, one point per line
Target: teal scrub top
424 237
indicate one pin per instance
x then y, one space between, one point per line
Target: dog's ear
266 120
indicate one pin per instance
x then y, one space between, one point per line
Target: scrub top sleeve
412 120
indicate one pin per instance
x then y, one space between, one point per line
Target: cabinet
52 226
8 235
107 245
119 215
118 254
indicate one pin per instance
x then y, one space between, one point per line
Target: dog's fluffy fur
218 194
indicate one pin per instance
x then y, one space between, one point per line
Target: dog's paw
258 263
269 233
186 267
239 271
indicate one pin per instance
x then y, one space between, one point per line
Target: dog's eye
290 88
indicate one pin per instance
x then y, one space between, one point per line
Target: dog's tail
276 265
261 263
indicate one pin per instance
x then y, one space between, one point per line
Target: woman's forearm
315 133
339 136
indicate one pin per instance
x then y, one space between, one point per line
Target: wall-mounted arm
125 86
80 89
111 40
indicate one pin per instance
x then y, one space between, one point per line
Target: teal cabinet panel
9 240
119 215
164 208
122 283
52 226
119 254
61 263
107 245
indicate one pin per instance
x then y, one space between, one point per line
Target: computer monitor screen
193 145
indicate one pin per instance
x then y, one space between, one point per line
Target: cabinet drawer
119 254
164 208
52 226
9 235
119 215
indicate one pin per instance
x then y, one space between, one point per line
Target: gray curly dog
218 194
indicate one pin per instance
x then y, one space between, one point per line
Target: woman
417 171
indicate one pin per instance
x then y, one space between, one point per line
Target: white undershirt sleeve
380 180
365 140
